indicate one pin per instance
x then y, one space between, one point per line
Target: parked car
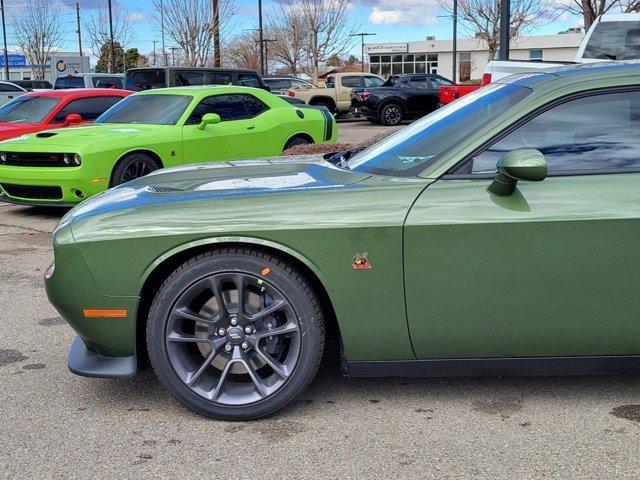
90 80
9 91
611 37
150 130
37 111
496 236
401 97
34 85
449 93
146 78
336 95
281 85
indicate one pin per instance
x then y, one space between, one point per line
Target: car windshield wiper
341 159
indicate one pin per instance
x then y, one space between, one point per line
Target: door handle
251 127
10 96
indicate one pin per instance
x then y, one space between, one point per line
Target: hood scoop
46 134
164 189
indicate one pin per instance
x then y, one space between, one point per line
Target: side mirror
521 164
71 119
209 119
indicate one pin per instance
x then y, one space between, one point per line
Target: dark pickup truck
399 98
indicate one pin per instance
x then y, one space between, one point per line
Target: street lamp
261 37
113 50
4 36
362 35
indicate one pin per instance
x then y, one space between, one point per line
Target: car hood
78 136
211 181
10 130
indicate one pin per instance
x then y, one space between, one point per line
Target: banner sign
14 60
374 48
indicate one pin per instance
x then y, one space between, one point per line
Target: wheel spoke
289 327
216 288
182 338
235 358
271 309
196 375
241 286
185 312
277 367
257 380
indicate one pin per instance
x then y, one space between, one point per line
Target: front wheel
391 114
131 167
235 334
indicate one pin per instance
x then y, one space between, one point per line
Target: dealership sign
373 49
14 60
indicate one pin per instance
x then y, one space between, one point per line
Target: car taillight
486 79
291 93
49 271
364 95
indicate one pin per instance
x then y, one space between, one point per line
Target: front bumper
106 347
54 186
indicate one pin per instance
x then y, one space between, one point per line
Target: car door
421 96
551 270
348 83
242 133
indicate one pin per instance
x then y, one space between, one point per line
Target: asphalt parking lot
57 425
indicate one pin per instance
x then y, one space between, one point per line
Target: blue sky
391 20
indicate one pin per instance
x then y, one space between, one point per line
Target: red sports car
37 111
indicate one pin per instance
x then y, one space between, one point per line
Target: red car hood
10 130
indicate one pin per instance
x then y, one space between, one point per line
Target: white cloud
136 17
403 12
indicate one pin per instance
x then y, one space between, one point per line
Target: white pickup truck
611 37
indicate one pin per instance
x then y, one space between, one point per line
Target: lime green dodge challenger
151 130
497 235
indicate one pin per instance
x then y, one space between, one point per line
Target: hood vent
164 189
46 134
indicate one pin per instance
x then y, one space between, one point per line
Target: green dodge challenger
498 235
150 130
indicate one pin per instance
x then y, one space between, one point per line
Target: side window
299 85
373 82
6 87
229 107
249 80
419 82
220 79
107 82
351 81
184 79
438 82
599 132
88 108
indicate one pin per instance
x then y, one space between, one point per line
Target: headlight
3 156
72 159
76 159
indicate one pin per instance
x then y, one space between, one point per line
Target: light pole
79 36
261 37
4 38
113 50
455 38
505 24
362 35
154 51
164 54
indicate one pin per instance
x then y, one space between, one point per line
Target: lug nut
234 321
248 329
228 347
222 332
244 345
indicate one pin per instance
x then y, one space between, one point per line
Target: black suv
146 78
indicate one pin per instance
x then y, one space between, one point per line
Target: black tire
133 166
391 114
249 263
297 141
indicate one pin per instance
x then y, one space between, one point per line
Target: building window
385 65
535 54
464 66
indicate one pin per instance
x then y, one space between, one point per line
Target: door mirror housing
521 164
72 119
209 119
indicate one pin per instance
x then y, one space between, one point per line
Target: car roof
91 75
205 69
80 93
201 89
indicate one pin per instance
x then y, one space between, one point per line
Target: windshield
614 41
409 151
27 109
150 109
145 79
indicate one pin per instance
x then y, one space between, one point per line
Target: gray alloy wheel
131 167
391 114
234 343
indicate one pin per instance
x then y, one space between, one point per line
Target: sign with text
375 48
14 60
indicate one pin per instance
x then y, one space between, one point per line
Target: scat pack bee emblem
361 261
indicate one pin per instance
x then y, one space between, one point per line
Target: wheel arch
156 273
324 100
305 135
401 103
154 155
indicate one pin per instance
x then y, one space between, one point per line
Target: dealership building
436 56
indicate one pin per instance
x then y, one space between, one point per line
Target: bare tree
243 52
481 18
288 30
97 27
189 23
589 10
38 30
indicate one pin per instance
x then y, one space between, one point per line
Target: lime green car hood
77 137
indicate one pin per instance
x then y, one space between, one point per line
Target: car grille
29 159
32 192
